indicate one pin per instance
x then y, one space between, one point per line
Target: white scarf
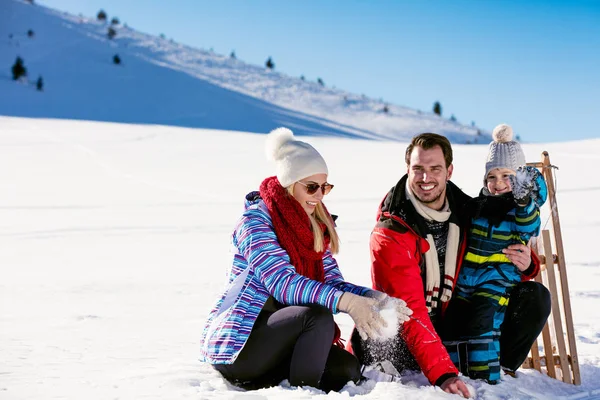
432 264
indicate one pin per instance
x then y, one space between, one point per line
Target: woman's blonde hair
321 215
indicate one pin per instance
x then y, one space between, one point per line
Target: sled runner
559 356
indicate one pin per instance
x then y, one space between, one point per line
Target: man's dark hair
428 141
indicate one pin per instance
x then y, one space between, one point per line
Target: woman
275 319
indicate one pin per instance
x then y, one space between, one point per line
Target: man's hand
519 254
455 385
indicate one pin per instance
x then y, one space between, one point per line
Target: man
417 248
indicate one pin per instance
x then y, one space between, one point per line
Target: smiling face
309 201
498 182
427 176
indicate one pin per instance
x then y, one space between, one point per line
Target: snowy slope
166 83
115 245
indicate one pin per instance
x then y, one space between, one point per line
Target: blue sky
532 64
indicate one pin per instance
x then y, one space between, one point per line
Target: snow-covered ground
163 82
115 244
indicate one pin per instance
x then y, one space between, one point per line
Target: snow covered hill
163 82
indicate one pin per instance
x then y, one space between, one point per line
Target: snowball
390 316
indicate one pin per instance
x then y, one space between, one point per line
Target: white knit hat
504 152
294 160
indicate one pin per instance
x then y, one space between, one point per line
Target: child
505 212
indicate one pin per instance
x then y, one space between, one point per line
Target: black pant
528 309
526 314
293 343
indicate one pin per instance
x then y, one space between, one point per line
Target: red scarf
293 230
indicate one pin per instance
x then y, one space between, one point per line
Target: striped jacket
484 260
261 268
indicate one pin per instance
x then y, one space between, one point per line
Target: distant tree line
19 71
103 17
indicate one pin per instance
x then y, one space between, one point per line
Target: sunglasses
311 188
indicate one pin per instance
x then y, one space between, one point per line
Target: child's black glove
528 183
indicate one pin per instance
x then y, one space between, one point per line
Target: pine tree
116 59
30 33
232 55
39 85
115 21
101 15
320 82
18 69
111 32
437 108
270 64
452 118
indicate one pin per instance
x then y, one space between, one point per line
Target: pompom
277 138
502 133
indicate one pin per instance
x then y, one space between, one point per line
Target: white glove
377 295
364 312
386 302
400 306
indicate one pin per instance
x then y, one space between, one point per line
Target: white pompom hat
294 159
504 151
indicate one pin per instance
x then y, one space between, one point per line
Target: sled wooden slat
528 362
542 258
565 364
547 340
558 328
535 357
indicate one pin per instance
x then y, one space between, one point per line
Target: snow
115 246
389 314
115 233
163 82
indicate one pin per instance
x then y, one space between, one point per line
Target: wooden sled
559 357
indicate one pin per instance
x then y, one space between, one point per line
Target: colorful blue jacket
484 260
261 268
